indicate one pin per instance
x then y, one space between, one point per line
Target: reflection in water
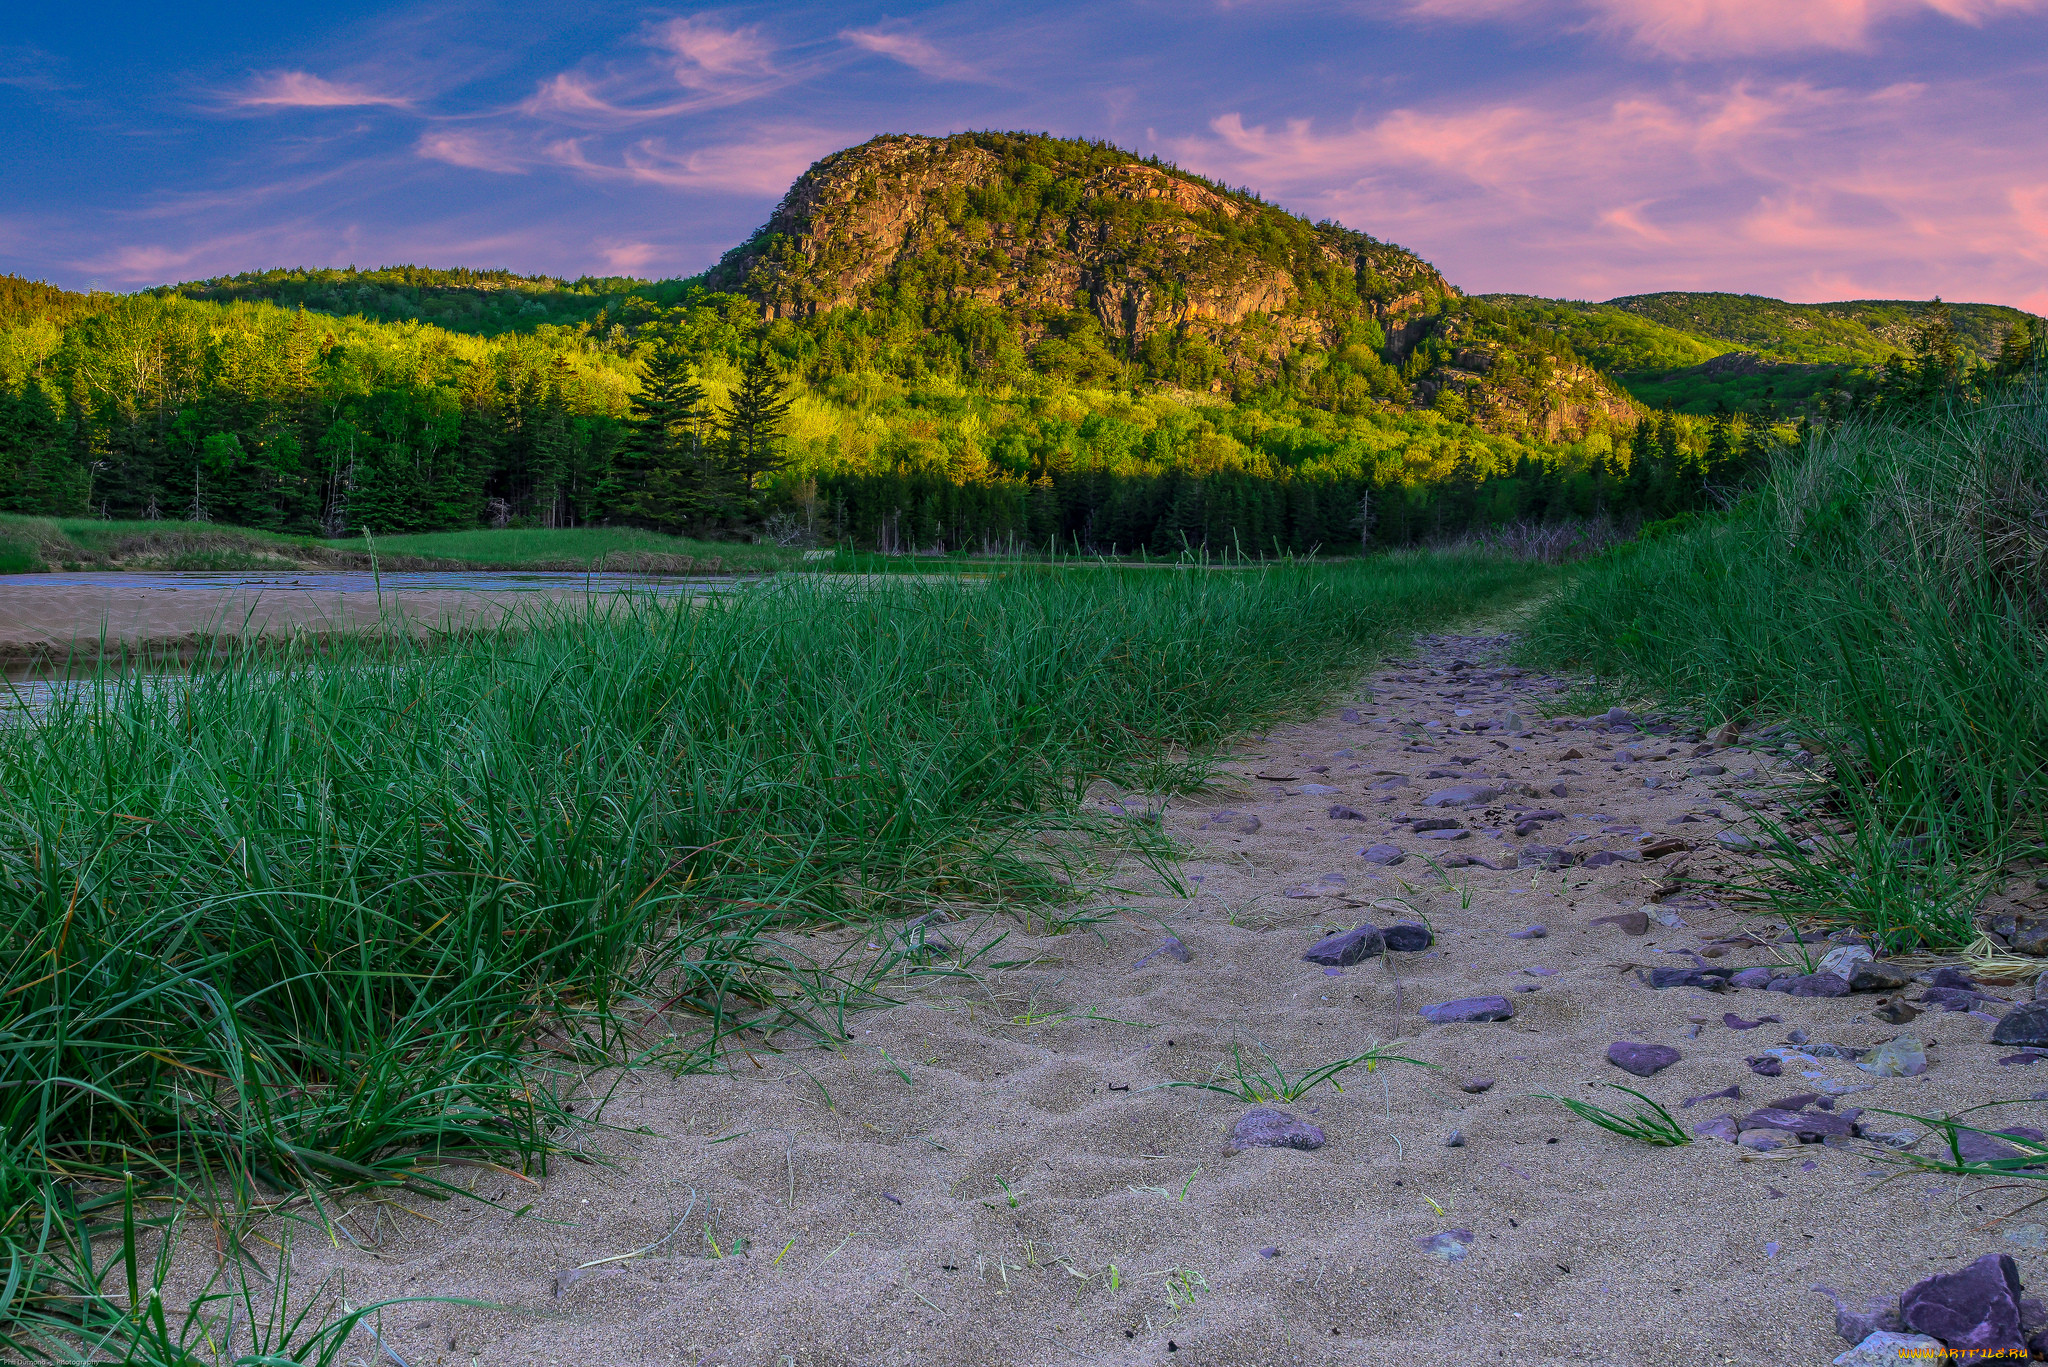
362 581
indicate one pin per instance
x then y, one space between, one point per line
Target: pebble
1455 1139
1532 933
1269 1127
1631 922
1976 1307
1641 1059
1898 1058
1755 978
1842 960
1763 1065
1343 813
1450 1246
1886 1349
1383 854
2025 1024
1811 985
1405 937
1468 1009
1475 1084
1735 1022
1460 795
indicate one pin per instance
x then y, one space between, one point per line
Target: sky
1806 149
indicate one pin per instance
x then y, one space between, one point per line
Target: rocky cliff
1063 245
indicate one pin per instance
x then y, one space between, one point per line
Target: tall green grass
1888 590
288 922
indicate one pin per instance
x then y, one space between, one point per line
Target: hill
1857 332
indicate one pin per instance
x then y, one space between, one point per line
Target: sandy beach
992 1172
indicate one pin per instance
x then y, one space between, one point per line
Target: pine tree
657 475
2018 353
750 428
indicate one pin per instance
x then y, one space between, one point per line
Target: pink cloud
708 57
629 258
1789 188
302 90
915 52
476 151
761 166
1720 28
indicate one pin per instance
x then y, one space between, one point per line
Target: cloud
476 151
1723 28
302 90
711 58
1789 188
915 52
629 258
762 165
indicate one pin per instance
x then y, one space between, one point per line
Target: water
362 581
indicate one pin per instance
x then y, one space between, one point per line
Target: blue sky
1811 149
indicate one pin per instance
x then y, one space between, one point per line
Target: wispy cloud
1786 188
476 151
303 90
1725 28
717 67
912 50
707 57
763 165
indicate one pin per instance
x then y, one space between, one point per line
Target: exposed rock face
1036 238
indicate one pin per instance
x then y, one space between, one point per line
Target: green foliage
292 920
1269 1080
1860 332
1885 587
1656 1127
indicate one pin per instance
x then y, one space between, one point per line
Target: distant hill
481 302
1855 332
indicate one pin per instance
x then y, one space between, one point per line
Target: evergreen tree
2019 351
657 472
750 428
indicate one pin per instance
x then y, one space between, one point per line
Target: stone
1387 855
1975 1309
1443 835
1269 1127
1641 1059
1873 976
1245 823
2026 1023
1763 1065
1497 862
1346 948
1951 976
1558 790
1880 1314
1886 1349
1340 812
1657 849
1318 789
1736 840
1460 795
1455 1139
1469 1009
1898 1058
1351 714
1764 1141
1842 960
1171 948
1632 922
1450 1246
1896 1012
1405 937
1735 1022
1811 985
1436 823
1475 1084
1758 977
1733 1092
1721 1127
2031 939
1532 933
1952 999
1707 770
1800 1123
1974 1147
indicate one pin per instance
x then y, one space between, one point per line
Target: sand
1030 1195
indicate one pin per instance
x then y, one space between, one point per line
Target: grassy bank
1887 590
284 923
29 544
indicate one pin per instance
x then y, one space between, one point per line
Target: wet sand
991 1173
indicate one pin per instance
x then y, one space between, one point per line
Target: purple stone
1269 1127
1952 976
1731 1093
1350 714
1449 1246
1735 1022
1641 1059
1383 854
1763 1065
1880 1315
1443 835
1343 813
1405 937
1532 933
1469 1009
1753 977
1812 985
1950 998
1722 1127
1347 948
1801 1123
1976 1308
1333 973
2025 1024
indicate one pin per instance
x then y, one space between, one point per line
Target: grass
289 922
28 544
1270 1081
1656 1126
1888 588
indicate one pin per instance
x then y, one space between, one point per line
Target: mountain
1079 260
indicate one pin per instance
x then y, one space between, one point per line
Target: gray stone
1811 985
1170 948
1842 960
1475 1084
1458 796
1469 1009
1641 1059
1902 1057
1383 854
1722 1127
1343 813
1443 835
1818 1125
1436 823
1346 948
1759 977
2031 938
1877 977
1630 922
1532 933
1736 840
1269 1127
1886 1349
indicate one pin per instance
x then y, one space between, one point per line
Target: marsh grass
1656 1127
288 922
1266 1079
1888 588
